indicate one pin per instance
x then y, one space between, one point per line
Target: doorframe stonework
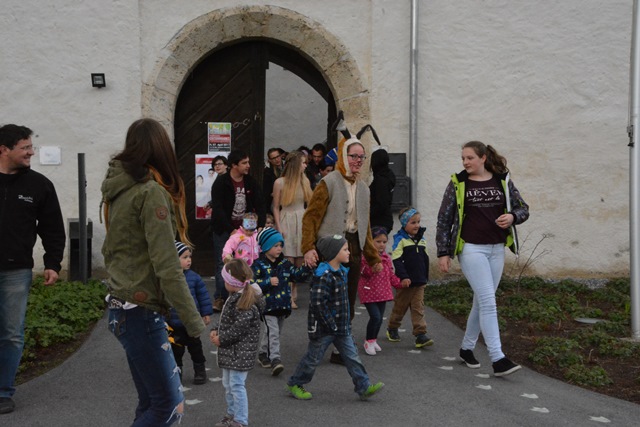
223 27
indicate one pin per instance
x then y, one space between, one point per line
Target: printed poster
218 137
205 177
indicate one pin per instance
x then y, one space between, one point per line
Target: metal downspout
413 104
634 175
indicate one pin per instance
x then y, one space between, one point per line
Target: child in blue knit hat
274 274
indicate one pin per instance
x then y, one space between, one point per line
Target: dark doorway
229 86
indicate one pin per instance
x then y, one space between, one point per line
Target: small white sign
50 155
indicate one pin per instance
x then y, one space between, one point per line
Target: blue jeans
155 374
315 352
376 313
236 395
14 292
482 265
219 241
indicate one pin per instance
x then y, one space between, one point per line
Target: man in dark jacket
232 195
270 174
28 207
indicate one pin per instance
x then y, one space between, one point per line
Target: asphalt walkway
423 387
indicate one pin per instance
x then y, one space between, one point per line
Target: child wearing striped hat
179 338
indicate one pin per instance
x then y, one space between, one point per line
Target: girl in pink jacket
243 242
374 289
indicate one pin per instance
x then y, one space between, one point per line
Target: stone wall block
233 27
172 75
345 78
209 31
288 29
255 20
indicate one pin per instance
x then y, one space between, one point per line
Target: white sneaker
369 348
376 346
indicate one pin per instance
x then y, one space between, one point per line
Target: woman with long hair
477 218
144 210
291 192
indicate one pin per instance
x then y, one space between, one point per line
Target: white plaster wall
48 52
546 82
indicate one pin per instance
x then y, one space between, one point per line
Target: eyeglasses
274 158
356 157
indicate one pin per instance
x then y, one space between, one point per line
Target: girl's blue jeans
155 374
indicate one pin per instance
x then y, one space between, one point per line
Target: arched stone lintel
225 26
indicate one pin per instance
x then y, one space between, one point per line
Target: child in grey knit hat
329 322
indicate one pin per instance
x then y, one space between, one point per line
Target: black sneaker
393 335
336 358
6 405
264 361
468 358
504 367
276 367
423 340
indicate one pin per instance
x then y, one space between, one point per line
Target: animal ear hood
342 164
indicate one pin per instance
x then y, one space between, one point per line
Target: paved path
429 387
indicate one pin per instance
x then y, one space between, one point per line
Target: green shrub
559 351
583 375
55 314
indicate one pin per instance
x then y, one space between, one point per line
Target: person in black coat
381 188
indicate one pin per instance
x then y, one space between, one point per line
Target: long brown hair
294 178
495 163
239 269
148 154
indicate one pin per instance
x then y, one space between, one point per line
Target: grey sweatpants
271 338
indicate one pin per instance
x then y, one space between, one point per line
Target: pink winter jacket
376 287
242 246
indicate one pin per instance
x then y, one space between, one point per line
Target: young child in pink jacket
374 289
243 242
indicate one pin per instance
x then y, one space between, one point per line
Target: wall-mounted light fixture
98 80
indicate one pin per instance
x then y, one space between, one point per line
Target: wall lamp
98 80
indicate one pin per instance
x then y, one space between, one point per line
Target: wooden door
227 86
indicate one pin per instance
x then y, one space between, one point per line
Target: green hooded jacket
139 250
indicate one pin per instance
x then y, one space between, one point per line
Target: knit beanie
329 246
268 238
181 248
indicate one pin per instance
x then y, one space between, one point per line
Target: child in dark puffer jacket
237 339
274 274
177 333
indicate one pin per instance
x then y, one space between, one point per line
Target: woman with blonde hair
291 193
144 209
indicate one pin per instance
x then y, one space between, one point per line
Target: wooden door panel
227 86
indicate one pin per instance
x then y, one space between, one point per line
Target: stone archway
223 26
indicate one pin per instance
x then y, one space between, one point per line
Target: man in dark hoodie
381 189
28 207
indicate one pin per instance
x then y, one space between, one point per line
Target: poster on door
206 175
218 137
